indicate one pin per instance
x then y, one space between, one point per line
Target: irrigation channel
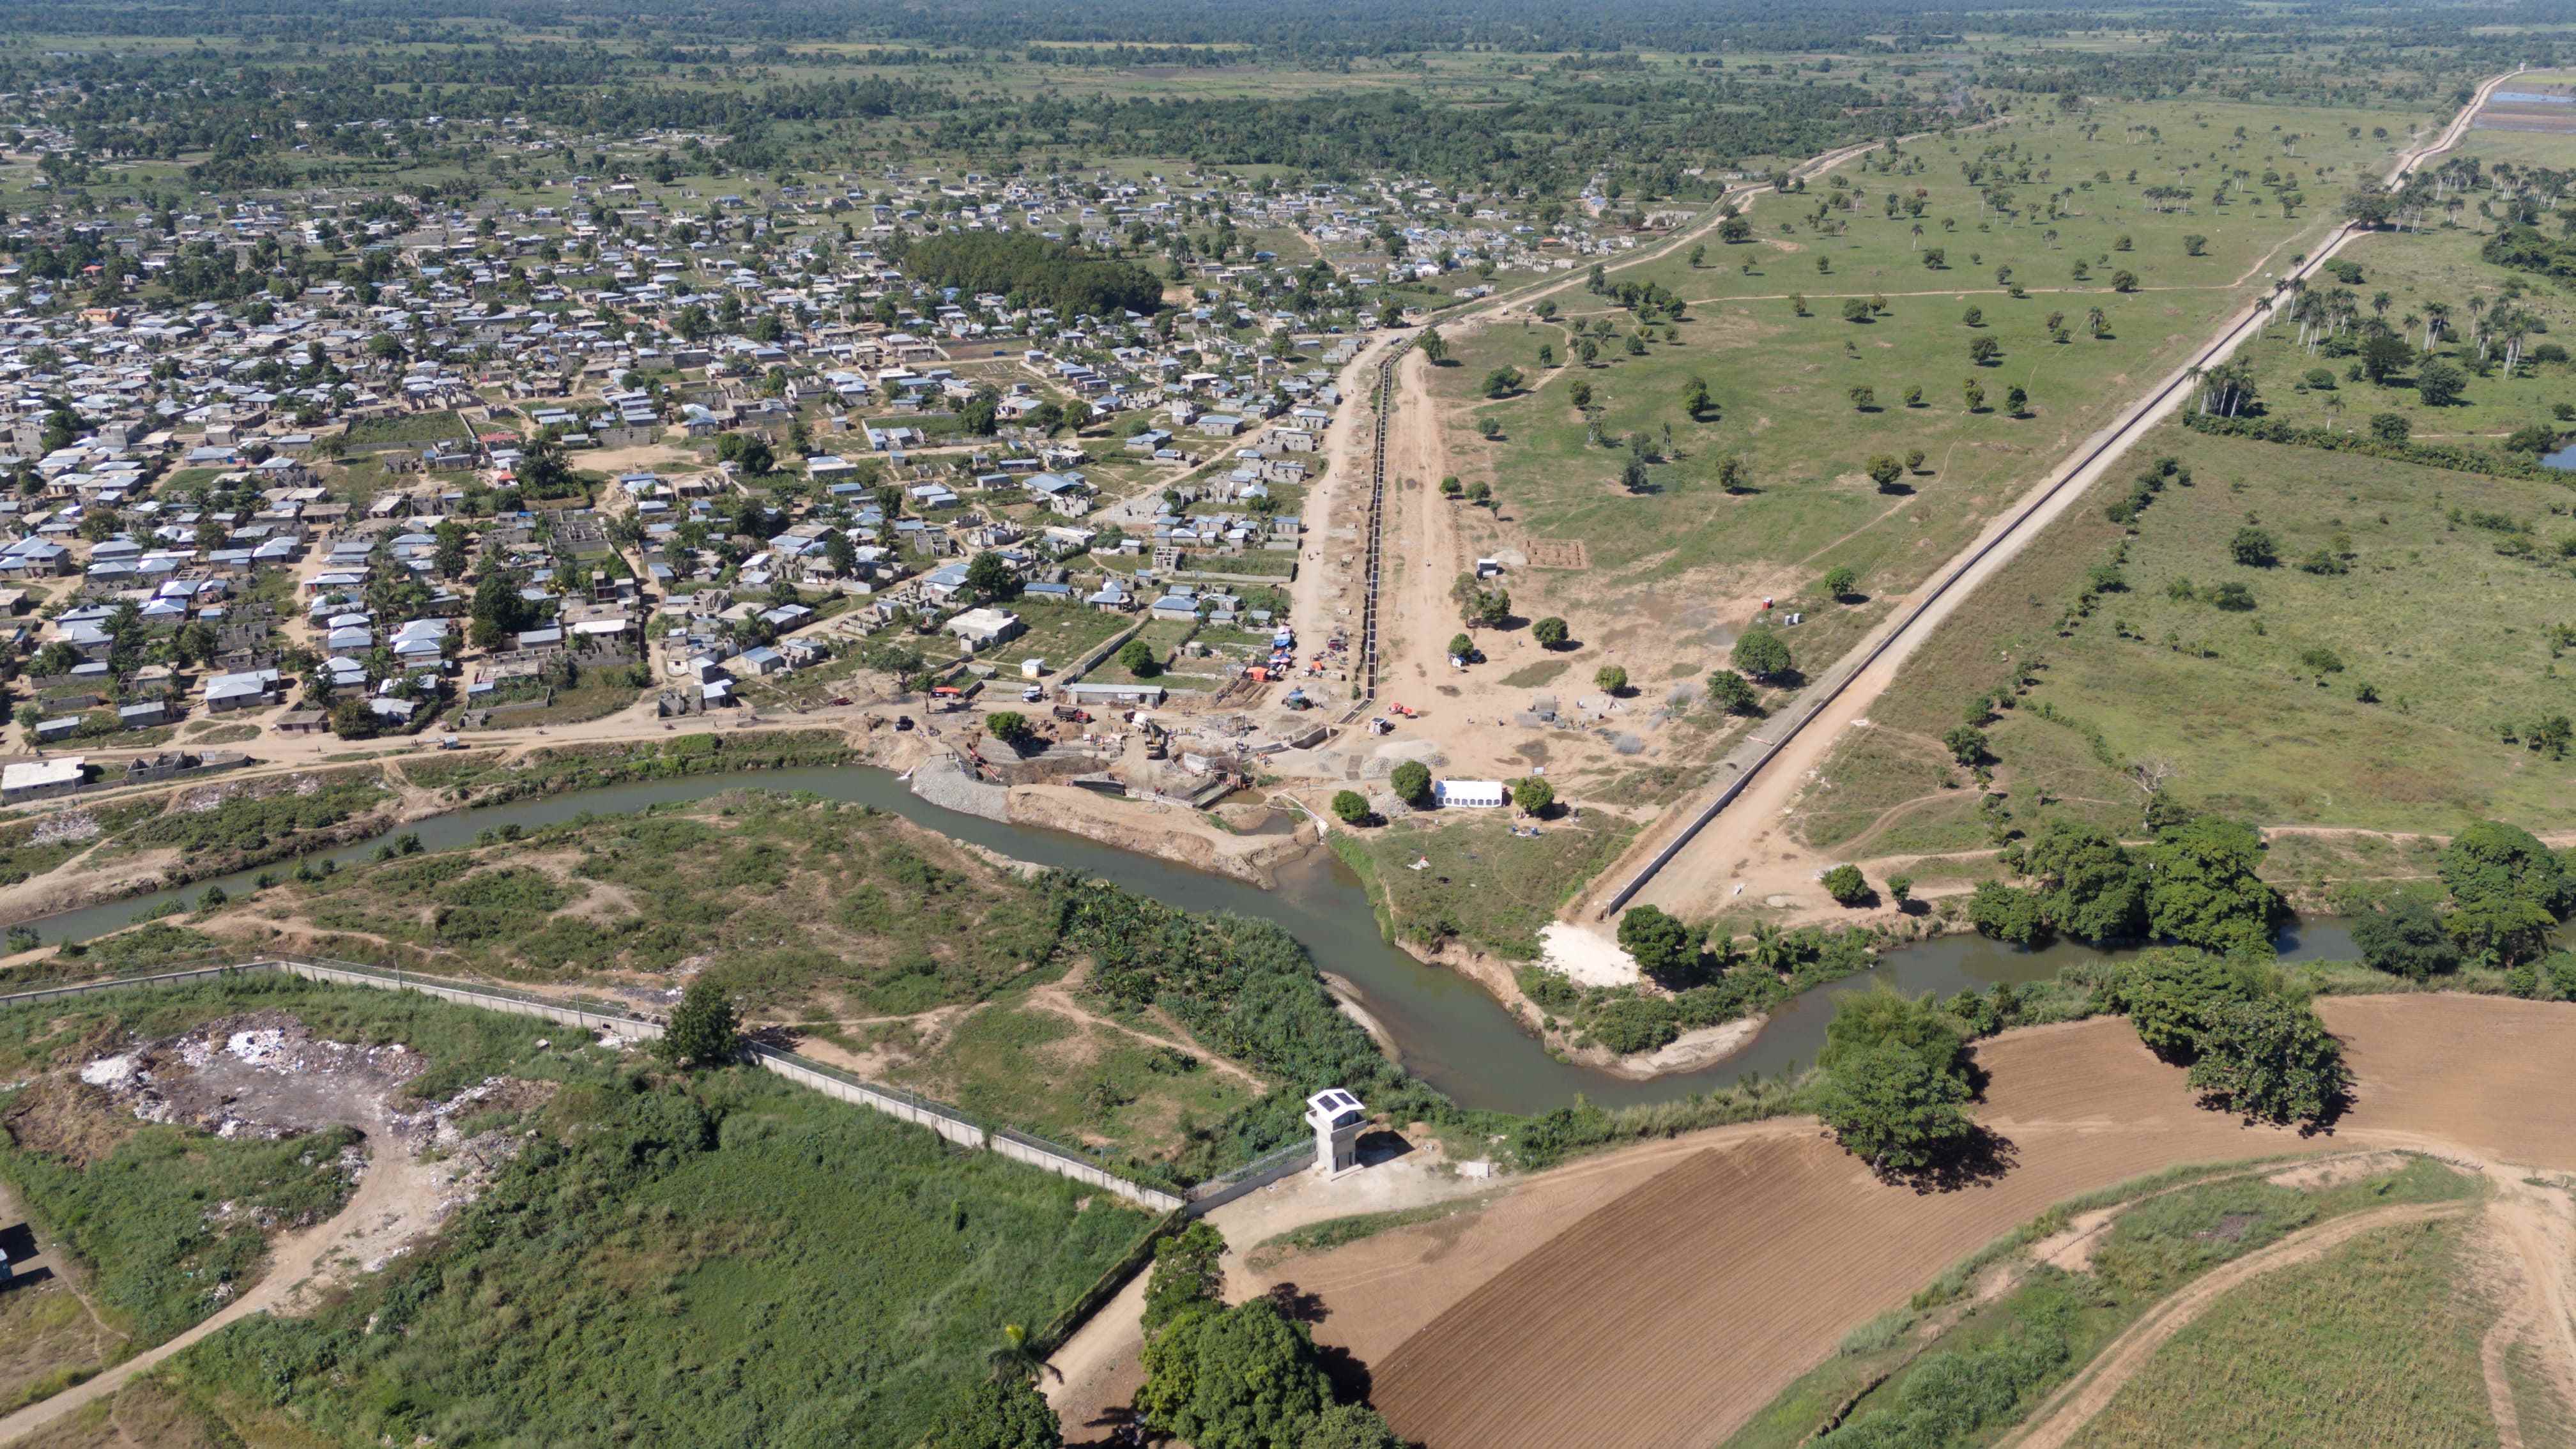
1448 1030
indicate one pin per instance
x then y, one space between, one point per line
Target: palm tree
2193 375
2437 316
1013 1359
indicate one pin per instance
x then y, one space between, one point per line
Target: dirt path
2074 1406
1091 1378
67 1270
1736 826
389 1198
1519 1329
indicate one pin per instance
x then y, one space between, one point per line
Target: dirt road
1687 867
378 1217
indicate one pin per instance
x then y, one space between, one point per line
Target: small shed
1470 794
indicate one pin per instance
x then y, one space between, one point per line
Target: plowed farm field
1657 1298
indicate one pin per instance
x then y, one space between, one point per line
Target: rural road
1759 777
379 1198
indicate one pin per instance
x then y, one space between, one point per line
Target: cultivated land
1773 1243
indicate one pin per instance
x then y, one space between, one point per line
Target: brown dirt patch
2318 1176
67 1119
1772 1243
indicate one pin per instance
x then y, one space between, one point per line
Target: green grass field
1088 1083
2377 1343
1779 382
2259 709
724 1258
2414 269
793 904
1484 886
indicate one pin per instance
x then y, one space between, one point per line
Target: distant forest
1285 29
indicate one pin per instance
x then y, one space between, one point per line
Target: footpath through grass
1986 1369
2376 1343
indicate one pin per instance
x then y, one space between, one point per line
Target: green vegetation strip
1986 1370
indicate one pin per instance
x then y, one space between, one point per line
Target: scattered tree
1846 885
1762 654
1733 693
1663 946
705 1030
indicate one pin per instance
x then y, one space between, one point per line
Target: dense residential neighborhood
368 464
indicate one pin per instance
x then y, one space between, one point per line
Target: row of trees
1896 1077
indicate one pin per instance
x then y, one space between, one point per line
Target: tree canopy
1047 274
1235 1378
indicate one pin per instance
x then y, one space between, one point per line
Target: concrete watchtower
1337 1118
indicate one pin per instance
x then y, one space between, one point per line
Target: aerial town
972 726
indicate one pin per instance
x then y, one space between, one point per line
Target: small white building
1470 794
35 779
1338 1119
981 629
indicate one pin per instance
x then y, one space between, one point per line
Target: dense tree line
1245 988
2526 249
1041 272
1298 29
1548 142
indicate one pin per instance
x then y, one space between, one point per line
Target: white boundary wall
921 1112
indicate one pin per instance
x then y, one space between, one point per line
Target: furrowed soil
1661 1296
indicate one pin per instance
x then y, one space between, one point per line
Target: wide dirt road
1659 1297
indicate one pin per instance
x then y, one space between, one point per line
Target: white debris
109 1071
257 1047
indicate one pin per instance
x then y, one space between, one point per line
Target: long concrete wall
949 1123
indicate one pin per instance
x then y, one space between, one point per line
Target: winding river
1448 1030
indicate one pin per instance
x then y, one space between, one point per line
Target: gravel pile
947 785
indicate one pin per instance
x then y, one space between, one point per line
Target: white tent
1470 794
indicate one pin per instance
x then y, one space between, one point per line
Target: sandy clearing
1587 956
2072 1407
1771 1243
